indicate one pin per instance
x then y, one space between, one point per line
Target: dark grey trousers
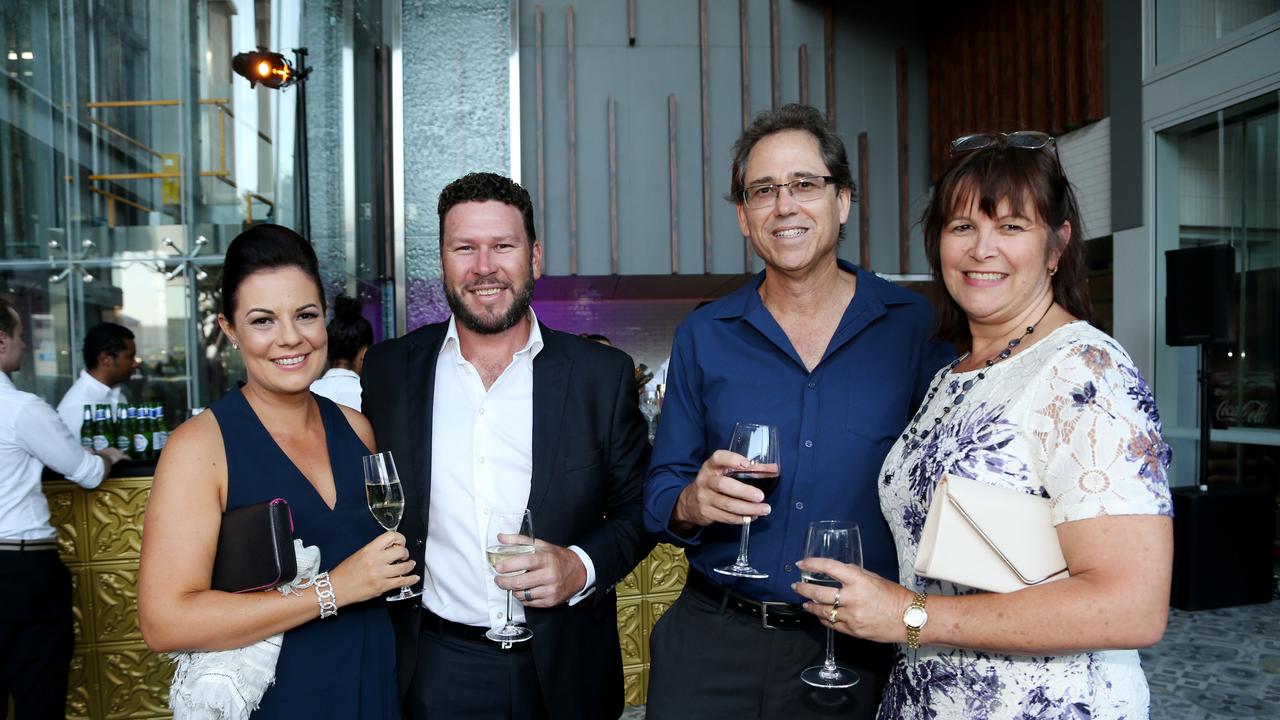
711 663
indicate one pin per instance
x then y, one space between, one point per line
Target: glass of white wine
386 500
837 540
509 534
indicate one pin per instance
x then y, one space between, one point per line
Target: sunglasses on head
1022 140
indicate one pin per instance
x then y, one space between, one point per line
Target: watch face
915 617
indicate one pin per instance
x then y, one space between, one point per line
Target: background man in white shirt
110 357
35 587
494 410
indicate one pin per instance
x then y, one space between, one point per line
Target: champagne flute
759 445
509 534
386 500
837 540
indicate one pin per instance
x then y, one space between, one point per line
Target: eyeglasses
805 189
1022 140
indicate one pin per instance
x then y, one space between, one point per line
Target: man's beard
489 325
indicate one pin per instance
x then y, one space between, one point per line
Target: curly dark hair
1027 179
791 117
104 338
482 186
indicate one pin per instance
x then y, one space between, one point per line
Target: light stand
300 144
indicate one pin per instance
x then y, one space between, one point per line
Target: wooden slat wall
1005 65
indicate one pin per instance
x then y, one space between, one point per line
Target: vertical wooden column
829 50
674 182
904 188
704 64
631 22
539 125
775 54
864 209
744 41
573 153
804 74
744 44
613 185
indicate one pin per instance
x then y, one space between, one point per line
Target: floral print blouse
1070 419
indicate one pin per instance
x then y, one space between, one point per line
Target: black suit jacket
590 453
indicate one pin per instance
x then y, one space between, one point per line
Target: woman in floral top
1043 403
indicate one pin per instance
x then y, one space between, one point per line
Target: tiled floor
1211 665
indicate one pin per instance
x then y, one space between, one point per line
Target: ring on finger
836 604
832 617
528 595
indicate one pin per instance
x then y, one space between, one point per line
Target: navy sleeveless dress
341 667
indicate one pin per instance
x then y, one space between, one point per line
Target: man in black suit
494 410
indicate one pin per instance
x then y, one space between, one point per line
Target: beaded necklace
914 438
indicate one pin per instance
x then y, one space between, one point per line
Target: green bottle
159 431
86 429
102 435
122 428
141 434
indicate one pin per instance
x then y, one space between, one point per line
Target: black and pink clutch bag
255 548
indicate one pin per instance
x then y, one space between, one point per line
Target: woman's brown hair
1027 179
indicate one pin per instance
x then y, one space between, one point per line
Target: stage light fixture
271 69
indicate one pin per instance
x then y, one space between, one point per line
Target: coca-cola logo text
1253 412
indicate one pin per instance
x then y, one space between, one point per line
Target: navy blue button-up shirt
732 362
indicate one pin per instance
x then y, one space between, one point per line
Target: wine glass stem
830 664
509 621
742 546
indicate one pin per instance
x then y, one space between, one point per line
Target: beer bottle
122 428
158 434
141 435
86 428
102 436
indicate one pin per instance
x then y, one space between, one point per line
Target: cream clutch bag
988 537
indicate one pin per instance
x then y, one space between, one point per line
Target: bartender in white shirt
350 336
110 357
35 587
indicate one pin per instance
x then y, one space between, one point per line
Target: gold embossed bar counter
113 674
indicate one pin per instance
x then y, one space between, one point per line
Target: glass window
131 155
40 297
1188 27
1218 182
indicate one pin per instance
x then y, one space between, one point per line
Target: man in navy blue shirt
837 359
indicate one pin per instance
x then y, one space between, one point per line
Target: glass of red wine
759 445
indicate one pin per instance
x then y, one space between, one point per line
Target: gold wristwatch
914 618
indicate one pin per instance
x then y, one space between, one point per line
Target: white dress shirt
32 438
339 385
481 459
87 390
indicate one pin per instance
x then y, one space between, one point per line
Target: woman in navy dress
273 438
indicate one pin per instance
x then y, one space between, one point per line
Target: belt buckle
764 614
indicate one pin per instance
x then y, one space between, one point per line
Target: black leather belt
436 624
28 545
773 615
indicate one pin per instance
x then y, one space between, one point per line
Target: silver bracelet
324 595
